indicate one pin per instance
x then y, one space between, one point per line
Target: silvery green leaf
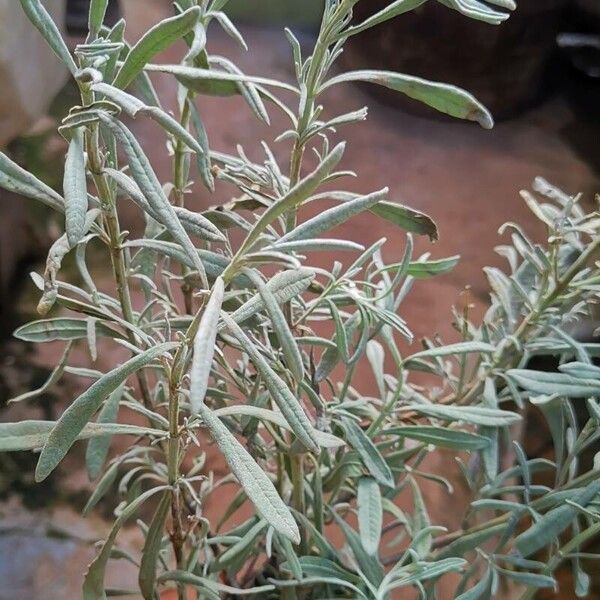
204 346
445 98
394 9
468 542
291 352
155 40
249 92
75 189
406 218
534 580
482 589
453 349
61 328
43 22
214 82
370 514
15 179
30 435
97 11
317 245
53 378
97 449
284 286
81 410
101 488
252 478
143 174
202 160
93 584
430 268
286 550
561 384
214 264
229 28
480 11
368 453
286 401
294 197
195 224
133 107
553 523
318 566
333 217
440 436
376 358
478 415
152 545
368 564
324 439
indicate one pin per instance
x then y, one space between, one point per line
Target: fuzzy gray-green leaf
370 514
16 179
288 403
155 40
252 478
148 564
204 346
43 22
445 98
75 418
75 189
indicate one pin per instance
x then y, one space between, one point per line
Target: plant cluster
240 342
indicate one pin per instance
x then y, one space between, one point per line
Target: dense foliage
240 342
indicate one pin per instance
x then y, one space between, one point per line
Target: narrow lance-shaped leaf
193 223
30 435
481 12
155 40
407 218
288 403
333 217
204 346
75 189
385 14
370 514
93 584
368 564
16 179
97 12
554 522
74 419
443 97
441 437
132 106
452 349
369 453
148 564
478 415
97 449
293 358
284 286
252 478
295 196
548 383
146 179
43 22
61 328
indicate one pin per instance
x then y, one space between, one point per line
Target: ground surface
465 177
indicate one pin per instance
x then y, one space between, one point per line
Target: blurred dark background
539 74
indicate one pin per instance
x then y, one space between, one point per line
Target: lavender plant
245 345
